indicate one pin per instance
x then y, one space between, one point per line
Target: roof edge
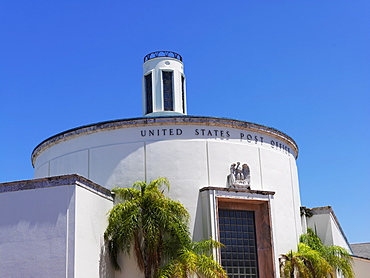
326 209
160 120
55 181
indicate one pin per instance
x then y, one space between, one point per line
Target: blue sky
302 67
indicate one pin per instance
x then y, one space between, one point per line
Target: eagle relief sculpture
239 176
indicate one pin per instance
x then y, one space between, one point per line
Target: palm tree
315 260
338 257
145 221
192 260
305 263
156 228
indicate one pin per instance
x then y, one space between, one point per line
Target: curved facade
193 153
118 153
85 150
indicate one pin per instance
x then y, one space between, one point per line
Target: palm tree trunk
146 267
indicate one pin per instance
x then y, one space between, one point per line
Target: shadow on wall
129 267
124 167
106 269
35 208
34 228
198 222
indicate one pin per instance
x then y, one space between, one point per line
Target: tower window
148 93
238 234
183 93
167 77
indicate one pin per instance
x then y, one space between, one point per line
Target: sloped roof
361 249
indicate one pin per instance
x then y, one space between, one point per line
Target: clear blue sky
302 67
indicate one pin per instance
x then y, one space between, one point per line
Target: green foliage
156 229
338 257
315 260
144 222
312 240
305 263
191 261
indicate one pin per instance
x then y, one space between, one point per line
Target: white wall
279 175
109 157
327 228
36 232
53 228
91 259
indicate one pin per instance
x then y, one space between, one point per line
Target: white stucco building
238 179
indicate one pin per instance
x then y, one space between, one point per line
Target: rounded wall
200 149
192 152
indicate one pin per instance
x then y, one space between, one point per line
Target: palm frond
156 228
204 246
337 257
125 194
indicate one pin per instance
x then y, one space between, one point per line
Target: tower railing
157 54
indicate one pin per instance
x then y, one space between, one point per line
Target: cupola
164 89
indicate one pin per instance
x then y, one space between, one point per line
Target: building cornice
63 180
236 190
160 121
